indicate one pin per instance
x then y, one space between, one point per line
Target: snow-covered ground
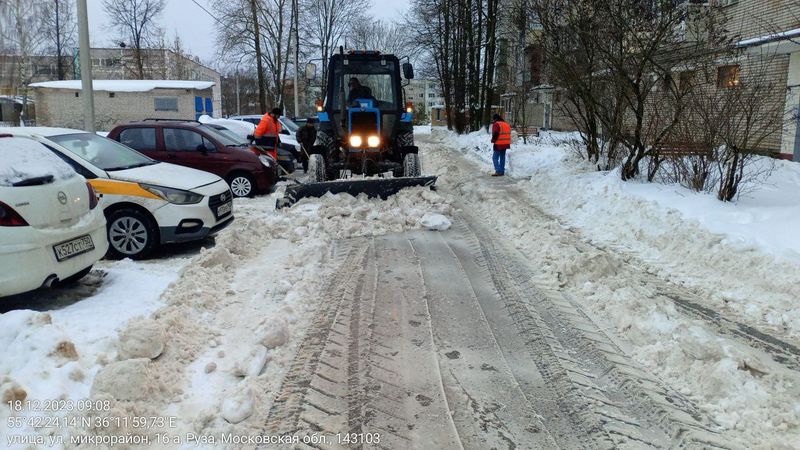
652 228
200 341
746 254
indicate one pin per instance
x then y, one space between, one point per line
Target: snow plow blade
374 187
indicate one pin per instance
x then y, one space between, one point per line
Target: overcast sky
195 27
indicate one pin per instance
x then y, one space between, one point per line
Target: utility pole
87 90
262 94
296 59
238 103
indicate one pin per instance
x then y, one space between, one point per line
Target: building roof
125 85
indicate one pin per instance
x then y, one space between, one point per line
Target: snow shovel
372 187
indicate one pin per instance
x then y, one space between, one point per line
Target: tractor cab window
367 79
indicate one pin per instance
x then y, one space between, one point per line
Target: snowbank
745 253
55 355
638 251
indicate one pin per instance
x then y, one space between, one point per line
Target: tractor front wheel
411 165
316 165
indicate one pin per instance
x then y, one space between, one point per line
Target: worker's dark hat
277 111
496 117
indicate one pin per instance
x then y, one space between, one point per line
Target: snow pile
22 158
235 315
435 222
56 354
737 252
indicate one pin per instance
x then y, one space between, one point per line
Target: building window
166 104
728 76
111 95
421 95
728 2
431 95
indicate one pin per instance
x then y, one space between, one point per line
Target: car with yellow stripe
146 202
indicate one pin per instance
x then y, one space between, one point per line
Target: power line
208 12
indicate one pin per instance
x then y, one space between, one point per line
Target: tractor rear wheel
316 165
411 165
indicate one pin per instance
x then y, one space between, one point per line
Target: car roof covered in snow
23 158
125 85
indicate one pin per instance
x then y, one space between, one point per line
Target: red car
192 144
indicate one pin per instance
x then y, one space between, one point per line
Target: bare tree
21 34
379 35
326 23
59 27
137 22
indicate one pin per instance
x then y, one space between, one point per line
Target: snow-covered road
347 322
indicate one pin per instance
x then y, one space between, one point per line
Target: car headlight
177 196
373 141
355 141
266 160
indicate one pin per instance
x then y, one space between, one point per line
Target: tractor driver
357 90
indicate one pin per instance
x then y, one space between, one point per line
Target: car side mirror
408 71
311 71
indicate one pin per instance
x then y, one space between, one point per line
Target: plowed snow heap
365 128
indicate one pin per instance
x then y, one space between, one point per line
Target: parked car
51 230
289 149
147 202
192 144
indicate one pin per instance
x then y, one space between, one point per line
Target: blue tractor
365 139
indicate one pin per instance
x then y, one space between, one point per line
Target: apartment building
768 33
425 92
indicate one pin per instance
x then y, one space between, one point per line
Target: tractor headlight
356 141
176 196
373 141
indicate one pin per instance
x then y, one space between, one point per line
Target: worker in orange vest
268 132
501 138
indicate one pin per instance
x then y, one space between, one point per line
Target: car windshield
102 152
289 125
229 134
376 80
224 138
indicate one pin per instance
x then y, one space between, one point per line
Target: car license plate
75 247
224 209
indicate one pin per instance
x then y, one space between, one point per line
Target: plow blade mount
373 187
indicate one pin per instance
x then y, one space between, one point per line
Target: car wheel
75 278
241 185
131 234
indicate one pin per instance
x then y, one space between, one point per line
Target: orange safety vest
504 137
268 127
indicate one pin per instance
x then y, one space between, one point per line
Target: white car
147 203
288 128
51 230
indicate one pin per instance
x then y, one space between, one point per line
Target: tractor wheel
316 165
411 165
